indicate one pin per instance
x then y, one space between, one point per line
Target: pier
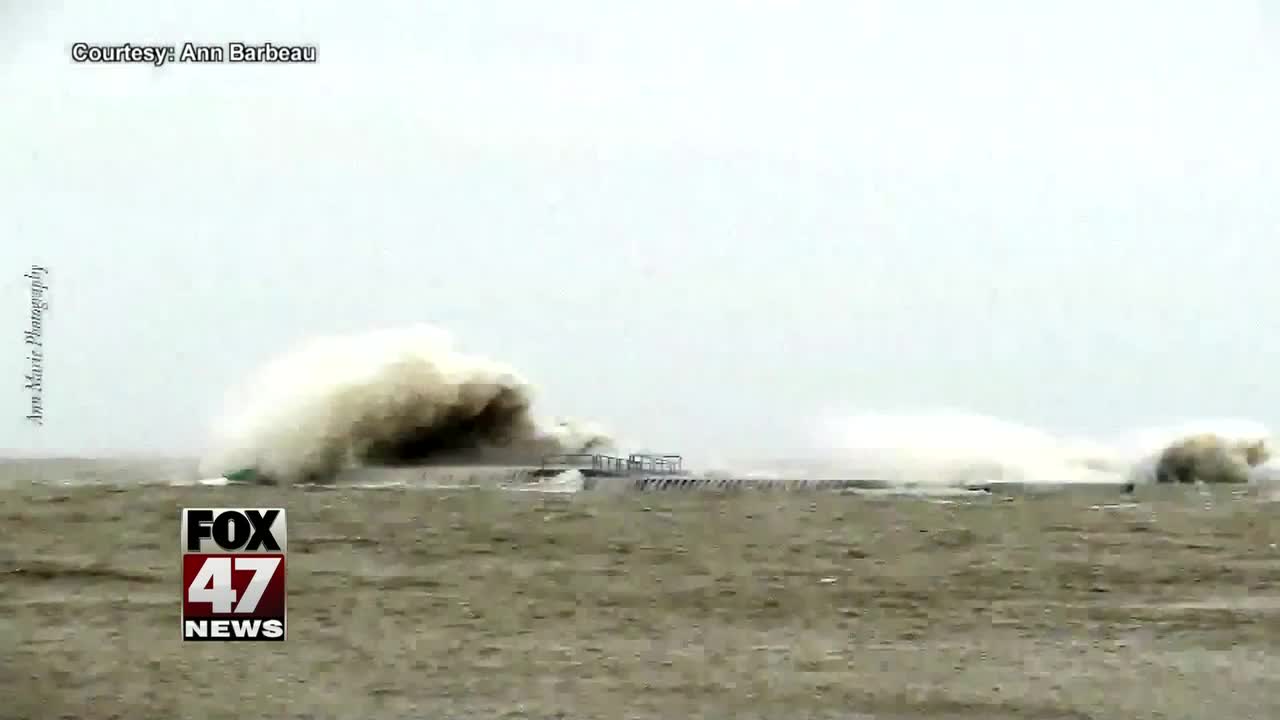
595 465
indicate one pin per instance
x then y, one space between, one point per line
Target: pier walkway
594 465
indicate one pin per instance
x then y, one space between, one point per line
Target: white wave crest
395 396
954 448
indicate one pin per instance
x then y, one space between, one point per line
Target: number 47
213 583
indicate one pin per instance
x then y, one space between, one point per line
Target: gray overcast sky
701 223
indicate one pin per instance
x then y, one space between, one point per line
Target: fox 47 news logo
233 574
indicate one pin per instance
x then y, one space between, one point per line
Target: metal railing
658 464
634 464
587 461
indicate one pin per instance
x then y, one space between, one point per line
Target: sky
703 224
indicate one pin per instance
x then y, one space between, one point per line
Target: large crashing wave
955 448
407 396
389 397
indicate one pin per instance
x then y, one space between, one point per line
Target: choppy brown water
472 604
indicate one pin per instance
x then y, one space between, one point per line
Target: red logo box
233 574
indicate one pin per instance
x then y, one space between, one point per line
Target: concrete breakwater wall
526 477
654 483
515 476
